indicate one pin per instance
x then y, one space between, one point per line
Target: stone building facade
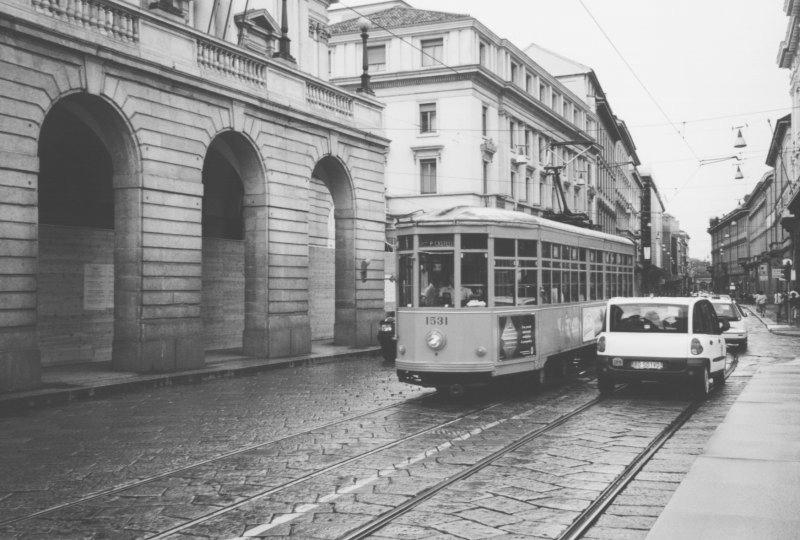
787 207
164 191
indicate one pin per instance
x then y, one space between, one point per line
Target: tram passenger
429 293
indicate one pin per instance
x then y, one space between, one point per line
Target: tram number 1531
436 321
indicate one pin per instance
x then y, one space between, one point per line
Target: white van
661 339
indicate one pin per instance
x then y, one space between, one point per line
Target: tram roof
473 215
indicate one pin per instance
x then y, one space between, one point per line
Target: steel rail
387 517
316 473
590 515
122 487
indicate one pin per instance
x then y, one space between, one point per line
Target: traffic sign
777 273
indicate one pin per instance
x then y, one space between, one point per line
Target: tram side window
527 275
504 271
436 279
474 279
405 281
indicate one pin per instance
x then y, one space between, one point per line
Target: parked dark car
386 337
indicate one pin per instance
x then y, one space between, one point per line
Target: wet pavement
316 451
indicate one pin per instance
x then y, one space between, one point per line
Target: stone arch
332 184
89 233
234 303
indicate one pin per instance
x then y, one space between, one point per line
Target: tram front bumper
429 379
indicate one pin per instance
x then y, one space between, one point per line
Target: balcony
160 40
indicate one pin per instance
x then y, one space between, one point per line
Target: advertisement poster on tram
593 318
517 338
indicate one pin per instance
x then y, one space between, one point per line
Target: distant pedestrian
761 303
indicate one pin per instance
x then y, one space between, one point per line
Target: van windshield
726 312
647 318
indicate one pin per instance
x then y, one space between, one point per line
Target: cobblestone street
317 451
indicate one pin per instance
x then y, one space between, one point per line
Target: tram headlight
435 340
401 349
480 351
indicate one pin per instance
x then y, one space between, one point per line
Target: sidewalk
61 384
747 483
770 319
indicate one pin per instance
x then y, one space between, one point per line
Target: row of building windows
432 51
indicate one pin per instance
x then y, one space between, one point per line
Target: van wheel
702 384
719 378
605 385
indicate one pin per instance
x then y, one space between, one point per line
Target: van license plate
638 364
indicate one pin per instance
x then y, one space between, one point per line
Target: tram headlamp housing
401 349
480 351
435 340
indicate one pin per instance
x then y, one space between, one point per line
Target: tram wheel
453 391
540 377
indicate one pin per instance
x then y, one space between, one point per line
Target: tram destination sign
517 337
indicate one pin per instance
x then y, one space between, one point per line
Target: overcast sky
700 59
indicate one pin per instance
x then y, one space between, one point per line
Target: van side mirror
724 326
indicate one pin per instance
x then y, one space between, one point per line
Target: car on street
728 310
662 339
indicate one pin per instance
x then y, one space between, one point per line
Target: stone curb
20 401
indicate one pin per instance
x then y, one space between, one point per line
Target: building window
528 84
482 54
376 57
542 92
528 194
542 185
513 181
427 118
512 128
484 120
565 110
528 142
554 101
485 177
432 51
514 72
427 171
542 149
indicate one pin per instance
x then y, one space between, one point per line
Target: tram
485 292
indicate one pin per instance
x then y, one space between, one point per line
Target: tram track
585 519
384 519
589 516
319 472
153 478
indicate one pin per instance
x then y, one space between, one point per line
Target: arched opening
331 287
231 171
87 232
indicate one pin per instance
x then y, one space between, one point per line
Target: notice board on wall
98 287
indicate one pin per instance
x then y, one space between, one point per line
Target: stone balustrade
182 48
329 99
106 18
228 61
